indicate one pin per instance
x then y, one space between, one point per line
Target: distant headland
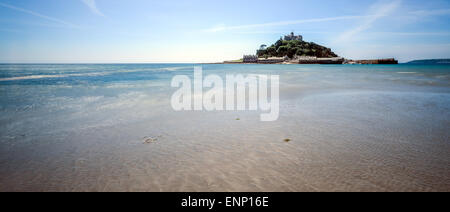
431 61
292 49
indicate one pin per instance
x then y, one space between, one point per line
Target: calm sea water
352 128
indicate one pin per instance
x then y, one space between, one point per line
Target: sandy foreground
331 136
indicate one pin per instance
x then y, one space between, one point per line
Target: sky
142 31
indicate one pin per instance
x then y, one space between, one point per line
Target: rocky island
292 49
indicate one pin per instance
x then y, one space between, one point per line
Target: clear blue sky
211 31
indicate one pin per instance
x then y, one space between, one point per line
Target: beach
110 127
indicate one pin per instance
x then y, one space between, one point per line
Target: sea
111 127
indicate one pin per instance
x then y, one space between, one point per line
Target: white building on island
250 59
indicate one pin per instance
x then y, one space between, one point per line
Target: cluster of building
297 60
255 59
317 60
377 61
250 59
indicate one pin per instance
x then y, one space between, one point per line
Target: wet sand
343 136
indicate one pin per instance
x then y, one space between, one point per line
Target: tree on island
294 48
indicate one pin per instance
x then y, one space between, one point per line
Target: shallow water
352 128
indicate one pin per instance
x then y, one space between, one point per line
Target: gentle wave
30 77
176 68
49 76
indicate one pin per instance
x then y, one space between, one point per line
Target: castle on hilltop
293 37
